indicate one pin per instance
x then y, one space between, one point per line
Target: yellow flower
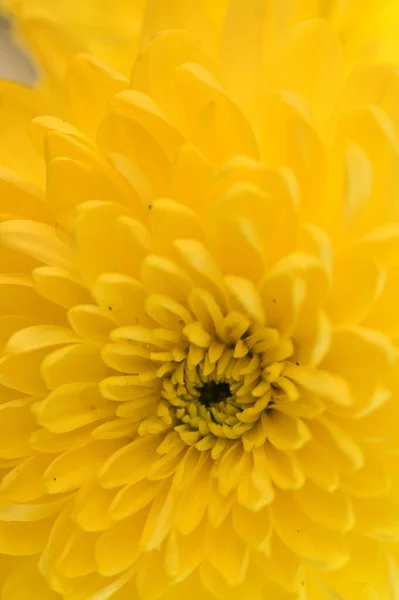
199 374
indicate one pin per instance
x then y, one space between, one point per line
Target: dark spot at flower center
213 393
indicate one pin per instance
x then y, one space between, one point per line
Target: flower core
216 385
212 393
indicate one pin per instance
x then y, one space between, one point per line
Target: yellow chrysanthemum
199 315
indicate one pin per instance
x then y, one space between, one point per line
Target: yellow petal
118 547
226 552
382 315
24 538
357 286
77 559
377 517
39 337
261 479
72 468
176 16
163 276
252 587
313 38
322 547
253 527
44 440
317 467
133 498
372 480
91 507
126 359
138 409
125 388
27 579
17 424
217 126
283 468
167 312
131 463
88 78
321 383
89 177
20 105
119 135
27 363
230 467
123 297
241 51
73 364
159 520
190 465
96 222
21 198
219 506
362 356
196 334
191 171
141 189
245 295
283 432
210 315
97 587
41 127
331 509
280 565
246 216
382 245
140 108
10 324
37 240
201 267
371 128
90 322
194 501
73 405
147 585
168 220
115 429
184 553
289 139
24 482
155 66
16 512
59 287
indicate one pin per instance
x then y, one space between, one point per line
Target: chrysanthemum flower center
219 387
211 393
